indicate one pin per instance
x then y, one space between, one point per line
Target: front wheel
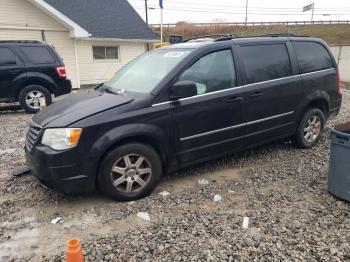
130 172
31 96
310 128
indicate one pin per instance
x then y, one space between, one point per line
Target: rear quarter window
38 54
312 57
7 57
265 62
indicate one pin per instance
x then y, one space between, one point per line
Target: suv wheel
130 172
29 98
310 128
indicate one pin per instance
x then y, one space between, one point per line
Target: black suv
31 71
183 104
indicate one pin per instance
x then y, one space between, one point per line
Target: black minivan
184 104
30 72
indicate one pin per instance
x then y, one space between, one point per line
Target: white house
94 37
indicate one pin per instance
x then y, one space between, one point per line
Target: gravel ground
282 189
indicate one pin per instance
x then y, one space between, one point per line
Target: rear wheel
310 128
130 172
31 96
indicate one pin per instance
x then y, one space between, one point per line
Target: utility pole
246 12
312 14
146 9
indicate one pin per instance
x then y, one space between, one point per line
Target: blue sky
234 10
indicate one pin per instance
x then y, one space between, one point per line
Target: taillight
61 71
339 84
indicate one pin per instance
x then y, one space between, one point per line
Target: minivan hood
78 106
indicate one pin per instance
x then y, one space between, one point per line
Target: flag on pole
308 7
161 4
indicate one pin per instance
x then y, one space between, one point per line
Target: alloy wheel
312 128
33 99
131 173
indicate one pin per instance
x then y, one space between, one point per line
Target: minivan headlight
61 138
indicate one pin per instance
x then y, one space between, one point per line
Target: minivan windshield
144 73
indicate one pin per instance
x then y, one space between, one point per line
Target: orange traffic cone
74 252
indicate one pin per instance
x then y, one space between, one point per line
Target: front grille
33 135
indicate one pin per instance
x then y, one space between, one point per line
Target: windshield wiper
108 89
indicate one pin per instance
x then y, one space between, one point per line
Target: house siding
97 71
21 14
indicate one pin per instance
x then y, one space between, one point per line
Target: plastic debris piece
164 193
144 216
203 182
217 198
22 172
245 224
56 220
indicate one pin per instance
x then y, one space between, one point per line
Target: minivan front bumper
59 170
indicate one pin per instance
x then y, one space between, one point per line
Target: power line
240 13
251 7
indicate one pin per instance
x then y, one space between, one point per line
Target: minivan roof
198 42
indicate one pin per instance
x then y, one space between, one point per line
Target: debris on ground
245 223
144 216
56 220
217 198
164 193
203 182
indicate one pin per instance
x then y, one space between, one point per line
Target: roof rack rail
285 35
226 37
207 36
21 41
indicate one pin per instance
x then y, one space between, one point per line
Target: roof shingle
105 18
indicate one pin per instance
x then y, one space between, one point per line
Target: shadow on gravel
10 109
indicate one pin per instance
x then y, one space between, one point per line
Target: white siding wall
97 71
23 15
343 61
65 48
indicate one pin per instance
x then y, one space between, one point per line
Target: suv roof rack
226 37
207 37
21 41
285 35
230 37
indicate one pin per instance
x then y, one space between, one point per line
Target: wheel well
322 105
135 139
33 82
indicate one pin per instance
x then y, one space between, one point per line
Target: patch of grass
332 34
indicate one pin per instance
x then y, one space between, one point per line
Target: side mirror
183 89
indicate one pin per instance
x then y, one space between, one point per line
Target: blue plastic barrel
339 166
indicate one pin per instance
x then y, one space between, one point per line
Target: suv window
212 72
38 54
265 62
7 57
312 56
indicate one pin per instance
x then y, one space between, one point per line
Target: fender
18 83
39 79
309 99
121 133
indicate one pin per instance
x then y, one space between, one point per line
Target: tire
314 121
33 93
124 184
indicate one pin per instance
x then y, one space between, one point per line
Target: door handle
234 99
255 94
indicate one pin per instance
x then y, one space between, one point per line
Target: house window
105 52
